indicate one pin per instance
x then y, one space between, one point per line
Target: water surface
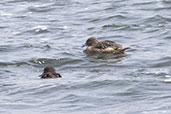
38 33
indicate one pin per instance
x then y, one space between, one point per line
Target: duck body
94 46
49 72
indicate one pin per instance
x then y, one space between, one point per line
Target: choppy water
38 33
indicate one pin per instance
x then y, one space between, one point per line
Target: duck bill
41 75
124 48
83 45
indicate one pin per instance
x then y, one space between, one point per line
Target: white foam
40 28
44 39
65 27
168 80
167 76
5 14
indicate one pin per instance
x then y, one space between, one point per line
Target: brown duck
94 46
49 72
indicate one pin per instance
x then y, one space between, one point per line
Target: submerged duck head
49 72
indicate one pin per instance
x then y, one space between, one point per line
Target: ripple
38 30
7 48
39 33
166 1
157 18
61 63
163 62
41 8
13 63
144 3
119 16
122 27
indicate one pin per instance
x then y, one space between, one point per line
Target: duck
49 72
107 46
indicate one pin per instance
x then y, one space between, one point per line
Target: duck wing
106 44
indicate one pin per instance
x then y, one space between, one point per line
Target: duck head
49 69
92 41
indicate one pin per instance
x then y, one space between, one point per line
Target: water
38 33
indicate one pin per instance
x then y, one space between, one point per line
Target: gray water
38 33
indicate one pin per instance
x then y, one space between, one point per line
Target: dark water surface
37 33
